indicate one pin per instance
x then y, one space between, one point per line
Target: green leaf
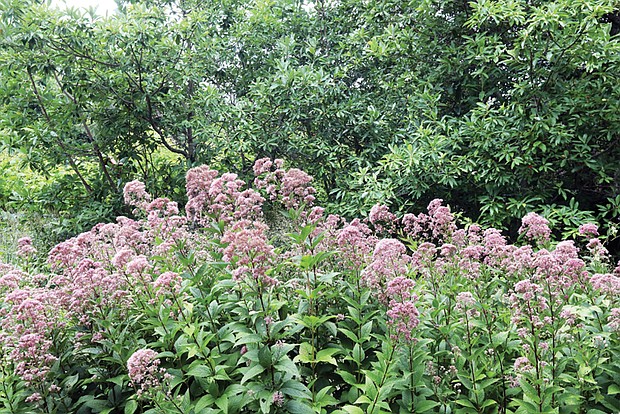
204 402
296 407
306 352
265 357
422 406
325 355
252 372
465 403
296 390
245 339
347 377
200 371
351 409
222 403
613 389
131 407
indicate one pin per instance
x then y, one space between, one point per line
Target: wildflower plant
212 310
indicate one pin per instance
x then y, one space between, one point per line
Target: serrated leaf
252 372
296 407
131 407
264 357
613 389
351 409
325 355
199 371
222 403
425 405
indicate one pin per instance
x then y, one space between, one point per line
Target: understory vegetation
216 311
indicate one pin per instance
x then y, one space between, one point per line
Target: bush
213 312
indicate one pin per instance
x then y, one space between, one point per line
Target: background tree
497 107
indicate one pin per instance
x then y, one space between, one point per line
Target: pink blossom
448 250
403 319
138 266
606 283
529 305
400 289
291 188
144 371
262 166
355 241
569 316
220 199
12 279
278 399
122 257
438 223
416 226
26 327
425 252
441 219
34 397
522 364
168 283
135 194
535 227
465 300
614 319
25 248
248 251
381 217
388 261
588 230
597 249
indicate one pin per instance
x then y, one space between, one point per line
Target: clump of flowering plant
228 313
144 371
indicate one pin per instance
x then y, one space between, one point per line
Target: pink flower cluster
219 198
25 248
168 283
529 306
588 230
382 219
290 187
26 327
389 260
465 302
356 242
248 251
135 194
535 227
404 317
144 371
278 399
606 283
614 319
438 223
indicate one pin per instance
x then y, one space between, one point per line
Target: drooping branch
89 134
64 150
158 130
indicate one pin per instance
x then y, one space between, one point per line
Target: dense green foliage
498 107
